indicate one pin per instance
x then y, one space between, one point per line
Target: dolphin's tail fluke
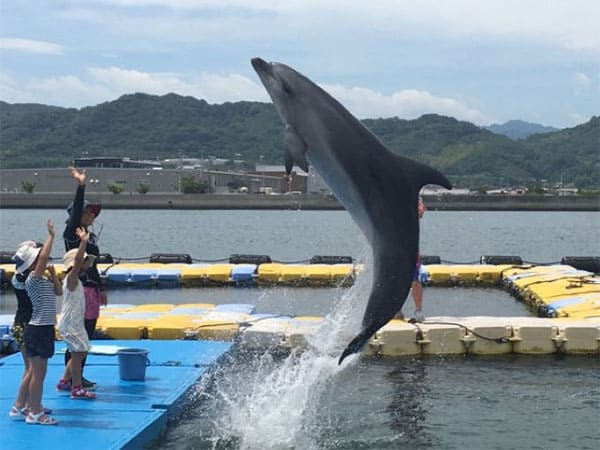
357 343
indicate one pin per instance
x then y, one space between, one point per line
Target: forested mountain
519 129
143 126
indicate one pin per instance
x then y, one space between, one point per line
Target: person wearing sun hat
71 324
39 332
23 313
25 256
22 317
83 213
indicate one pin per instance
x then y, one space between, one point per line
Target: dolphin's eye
286 87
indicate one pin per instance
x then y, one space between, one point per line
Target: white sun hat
27 253
69 258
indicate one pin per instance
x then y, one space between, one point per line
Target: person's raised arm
58 290
73 276
76 211
44 254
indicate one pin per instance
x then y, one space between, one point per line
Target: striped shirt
43 300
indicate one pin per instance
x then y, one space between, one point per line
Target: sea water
305 400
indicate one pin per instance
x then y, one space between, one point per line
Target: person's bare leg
39 366
417 295
76 359
23 393
67 373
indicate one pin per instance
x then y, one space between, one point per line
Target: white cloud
570 25
406 104
30 46
105 84
577 119
10 90
109 83
581 79
69 91
214 88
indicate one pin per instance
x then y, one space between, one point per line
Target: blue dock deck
126 414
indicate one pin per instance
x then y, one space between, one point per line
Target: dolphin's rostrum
378 188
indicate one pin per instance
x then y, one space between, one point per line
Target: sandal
80 393
17 414
40 419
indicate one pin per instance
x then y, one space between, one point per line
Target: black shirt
91 278
24 307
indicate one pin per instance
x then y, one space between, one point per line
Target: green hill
519 129
144 126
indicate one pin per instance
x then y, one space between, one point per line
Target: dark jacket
91 278
24 307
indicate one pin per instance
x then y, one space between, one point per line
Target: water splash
274 404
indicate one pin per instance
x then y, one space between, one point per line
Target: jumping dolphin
378 188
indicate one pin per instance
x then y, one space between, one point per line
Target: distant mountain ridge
144 126
519 129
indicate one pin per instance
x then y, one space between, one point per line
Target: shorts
39 341
18 332
417 273
92 302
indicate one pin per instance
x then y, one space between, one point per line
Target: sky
480 61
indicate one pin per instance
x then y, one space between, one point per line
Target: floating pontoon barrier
477 335
497 260
167 321
555 290
249 259
486 336
589 263
105 258
319 259
443 336
430 259
144 276
6 258
170 258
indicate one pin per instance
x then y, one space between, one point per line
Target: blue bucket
133 363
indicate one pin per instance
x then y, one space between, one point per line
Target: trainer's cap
95 208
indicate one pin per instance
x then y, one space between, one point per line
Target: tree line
142 126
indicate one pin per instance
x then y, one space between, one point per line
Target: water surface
264 401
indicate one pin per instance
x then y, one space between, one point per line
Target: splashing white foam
275 405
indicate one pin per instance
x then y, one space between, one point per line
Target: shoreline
295 202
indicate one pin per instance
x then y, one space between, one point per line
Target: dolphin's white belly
342 185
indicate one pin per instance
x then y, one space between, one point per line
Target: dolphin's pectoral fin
289 162
295 150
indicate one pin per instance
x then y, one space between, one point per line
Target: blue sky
481 61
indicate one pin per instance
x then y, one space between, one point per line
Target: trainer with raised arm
82 214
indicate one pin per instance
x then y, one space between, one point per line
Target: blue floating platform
118 275
126 414
243 273
245 308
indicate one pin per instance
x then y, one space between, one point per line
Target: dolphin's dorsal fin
295 150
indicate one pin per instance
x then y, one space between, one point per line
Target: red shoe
80 393
64 385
